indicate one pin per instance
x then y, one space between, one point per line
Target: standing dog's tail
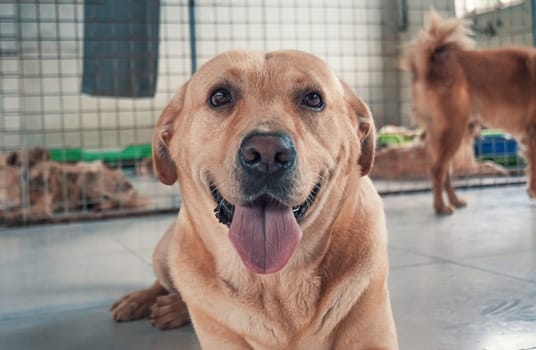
439 35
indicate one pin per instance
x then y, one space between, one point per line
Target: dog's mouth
264 232
224 210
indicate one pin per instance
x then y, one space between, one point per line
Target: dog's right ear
163 163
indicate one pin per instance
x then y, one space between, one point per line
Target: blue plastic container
498 147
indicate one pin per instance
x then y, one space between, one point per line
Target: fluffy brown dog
451 82
53 188
295 255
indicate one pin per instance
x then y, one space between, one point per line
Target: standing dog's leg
530 152
443 146
453 198
438 172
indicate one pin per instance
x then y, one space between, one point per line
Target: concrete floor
462 282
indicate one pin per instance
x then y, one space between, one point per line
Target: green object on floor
110 156
389 139
492 132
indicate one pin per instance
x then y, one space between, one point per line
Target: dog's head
262 136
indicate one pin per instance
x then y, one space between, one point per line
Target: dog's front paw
444 210
459 203
133 306
169 311
531 192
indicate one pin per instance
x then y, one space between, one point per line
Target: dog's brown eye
313 100
220 98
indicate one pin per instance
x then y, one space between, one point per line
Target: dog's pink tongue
265 236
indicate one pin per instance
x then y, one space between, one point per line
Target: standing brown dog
451 82
412 161
294 255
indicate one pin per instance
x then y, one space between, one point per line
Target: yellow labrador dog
281 239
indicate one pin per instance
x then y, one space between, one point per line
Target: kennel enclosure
86 81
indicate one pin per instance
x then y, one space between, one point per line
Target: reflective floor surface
467 281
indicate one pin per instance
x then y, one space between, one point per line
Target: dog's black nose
267 153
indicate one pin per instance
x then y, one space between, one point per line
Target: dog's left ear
366 129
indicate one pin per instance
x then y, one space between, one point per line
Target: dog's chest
281 307
291 302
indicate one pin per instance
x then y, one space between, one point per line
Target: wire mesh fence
82 83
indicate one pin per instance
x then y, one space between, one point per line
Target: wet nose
267 153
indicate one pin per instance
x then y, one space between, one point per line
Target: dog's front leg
530 151
161 302
136 304
443 144
438 172
453 198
